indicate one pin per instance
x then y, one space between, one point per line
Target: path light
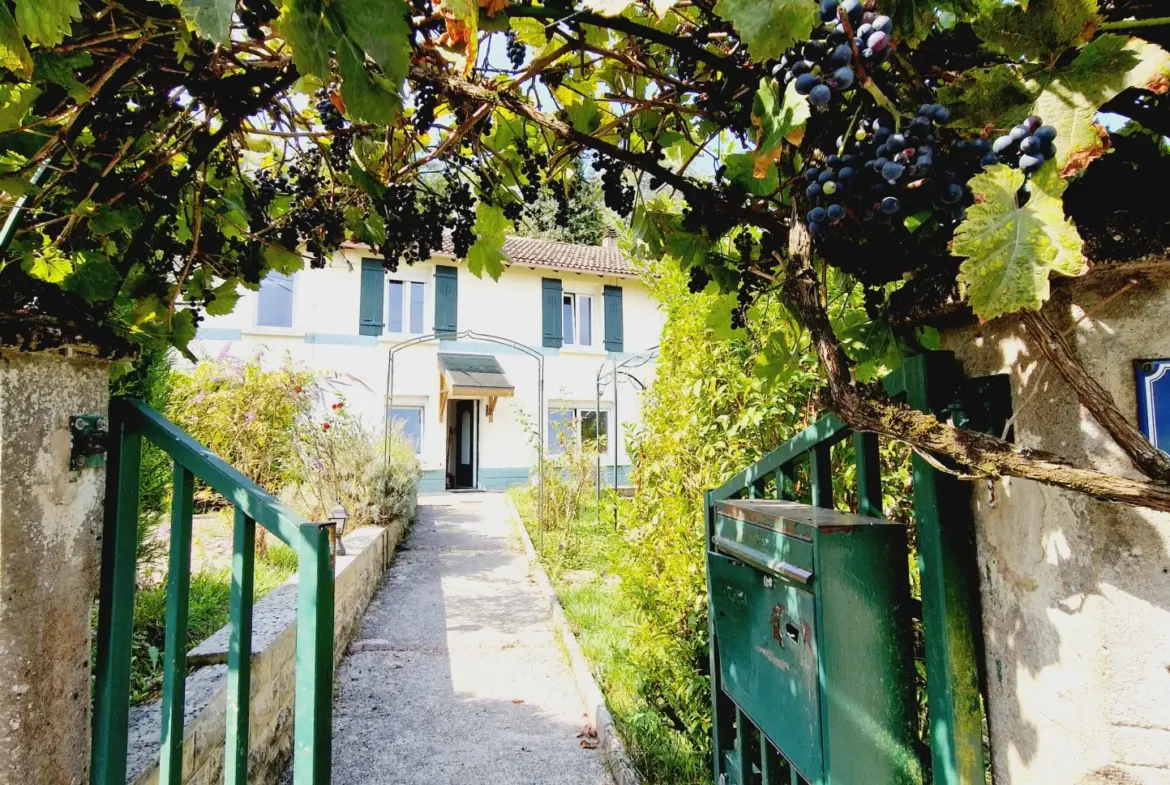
338 516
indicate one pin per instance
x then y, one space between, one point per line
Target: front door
465 444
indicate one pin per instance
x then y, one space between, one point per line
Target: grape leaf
182 329
662 6
1042 31
302 27
368 97
380 28
93 277
283 260
48 264
15 100
212 19
769 27
460 42
776 119
487 253
584 115
1011 249
607 7
223 298
741 171
62 70
13 53
46 22
913 19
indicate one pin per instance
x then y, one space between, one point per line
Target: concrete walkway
455 676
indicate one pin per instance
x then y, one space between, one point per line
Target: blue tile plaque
1153 398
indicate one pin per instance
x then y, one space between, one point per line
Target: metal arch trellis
616 371
497 339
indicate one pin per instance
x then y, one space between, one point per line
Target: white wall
324 336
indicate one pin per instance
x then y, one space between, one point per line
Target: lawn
583 561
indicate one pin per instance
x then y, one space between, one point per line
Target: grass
583 559
208 610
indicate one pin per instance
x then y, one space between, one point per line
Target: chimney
609 239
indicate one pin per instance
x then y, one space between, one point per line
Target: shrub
342 461
252 418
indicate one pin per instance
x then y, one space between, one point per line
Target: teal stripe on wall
341 339
432 481
218 334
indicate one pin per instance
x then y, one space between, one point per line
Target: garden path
456 675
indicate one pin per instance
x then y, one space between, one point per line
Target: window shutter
370 305
446 301
551 323
613 319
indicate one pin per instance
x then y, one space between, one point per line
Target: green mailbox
813 644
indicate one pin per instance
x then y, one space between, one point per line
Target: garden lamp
338 516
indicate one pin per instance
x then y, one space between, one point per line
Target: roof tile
531 252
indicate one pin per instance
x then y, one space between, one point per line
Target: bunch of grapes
531 166
825 64
426 99
461 216
619 195
254 14
516 50
1027 146
333 121
884 173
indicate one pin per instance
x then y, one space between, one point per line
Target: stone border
370 550
617 759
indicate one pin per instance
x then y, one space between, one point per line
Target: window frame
573 340
292 309
407 283
579 412
422 421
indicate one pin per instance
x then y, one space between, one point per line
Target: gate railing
934 383
130 422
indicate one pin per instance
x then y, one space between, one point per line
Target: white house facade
464 363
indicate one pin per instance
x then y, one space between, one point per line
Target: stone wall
50 552
1075 592
370 551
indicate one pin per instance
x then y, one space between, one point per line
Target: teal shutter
613 319
370 305
446 301
552 330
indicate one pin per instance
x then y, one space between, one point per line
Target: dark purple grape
840 56
877 41
1031 163
820 95
1032 123
890 205
835 212
843 76
806 82
1045 133
817 215
883 24
1030 144
892 171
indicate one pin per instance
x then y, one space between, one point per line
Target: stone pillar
1075 592
50 552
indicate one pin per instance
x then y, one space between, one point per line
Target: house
464 363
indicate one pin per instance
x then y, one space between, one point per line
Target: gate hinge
88 437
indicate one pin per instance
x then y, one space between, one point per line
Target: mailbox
813 639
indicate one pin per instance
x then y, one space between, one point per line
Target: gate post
950 616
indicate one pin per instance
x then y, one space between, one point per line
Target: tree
582 221
162 156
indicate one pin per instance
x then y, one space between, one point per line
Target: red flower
326 427
297 388
338 405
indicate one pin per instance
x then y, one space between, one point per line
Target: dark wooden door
465 444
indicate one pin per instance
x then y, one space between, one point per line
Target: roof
531 252
473 371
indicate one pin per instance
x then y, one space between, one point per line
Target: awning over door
472 376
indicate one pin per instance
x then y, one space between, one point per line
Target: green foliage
150 381
587 218
769 27
487 252
208 610
1011 247
342 461
252 418
1038 29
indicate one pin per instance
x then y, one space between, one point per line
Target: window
410 420
578 426
275 305
577 319
405 307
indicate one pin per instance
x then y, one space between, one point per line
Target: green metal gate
130 422
949 610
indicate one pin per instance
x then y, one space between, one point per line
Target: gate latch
88 441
